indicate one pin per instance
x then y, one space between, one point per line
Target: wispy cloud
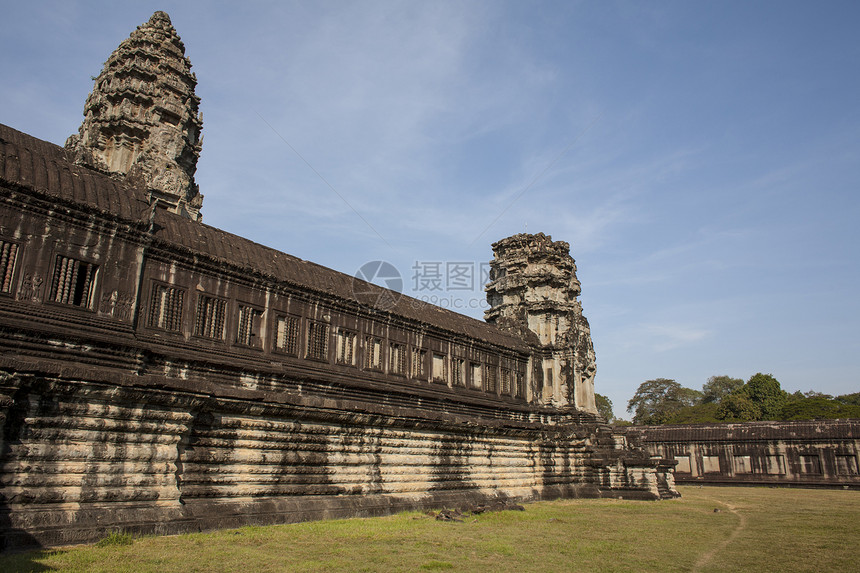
658 336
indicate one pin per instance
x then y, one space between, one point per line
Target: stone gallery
159 375
808 453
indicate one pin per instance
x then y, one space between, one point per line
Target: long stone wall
85 457
818 453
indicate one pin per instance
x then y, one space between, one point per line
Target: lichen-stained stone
141 120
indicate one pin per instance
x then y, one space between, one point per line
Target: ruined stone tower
532 292
141 119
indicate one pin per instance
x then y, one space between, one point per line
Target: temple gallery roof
35 166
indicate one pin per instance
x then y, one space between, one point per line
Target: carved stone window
438 373
683 463
711 464
476 379
846 465
743 464
287 335
73 282
248 329
211 314
318 341
774 465
520 382
492 383
165 309
810 464
345 347
506 381
8 257
396 359
458 372
419 364
373 353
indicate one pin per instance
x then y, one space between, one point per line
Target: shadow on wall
451 465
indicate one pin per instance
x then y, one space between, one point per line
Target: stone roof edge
790 429
45 168
445 321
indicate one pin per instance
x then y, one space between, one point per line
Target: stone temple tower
141 119
533 293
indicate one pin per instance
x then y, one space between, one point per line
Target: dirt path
708 555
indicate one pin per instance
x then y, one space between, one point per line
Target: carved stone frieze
117 304
31 288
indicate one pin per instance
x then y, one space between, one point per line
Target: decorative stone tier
531 272
83 457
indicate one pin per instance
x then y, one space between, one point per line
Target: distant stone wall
820 453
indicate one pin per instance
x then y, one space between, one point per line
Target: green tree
698 414
718 387
808 408
850 399
655 401
604 407
815 405
766 393
738 407
812 394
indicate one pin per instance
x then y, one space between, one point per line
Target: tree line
727 399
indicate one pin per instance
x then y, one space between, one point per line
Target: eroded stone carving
141 119
117 304
533 293
31 288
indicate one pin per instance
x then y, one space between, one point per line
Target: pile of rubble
459 513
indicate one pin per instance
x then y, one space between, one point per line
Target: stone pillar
533 293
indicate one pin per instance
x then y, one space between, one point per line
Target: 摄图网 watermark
446 284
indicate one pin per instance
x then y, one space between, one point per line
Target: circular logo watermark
378 274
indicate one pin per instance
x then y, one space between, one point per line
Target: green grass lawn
756 529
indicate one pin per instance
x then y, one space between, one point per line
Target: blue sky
701 158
